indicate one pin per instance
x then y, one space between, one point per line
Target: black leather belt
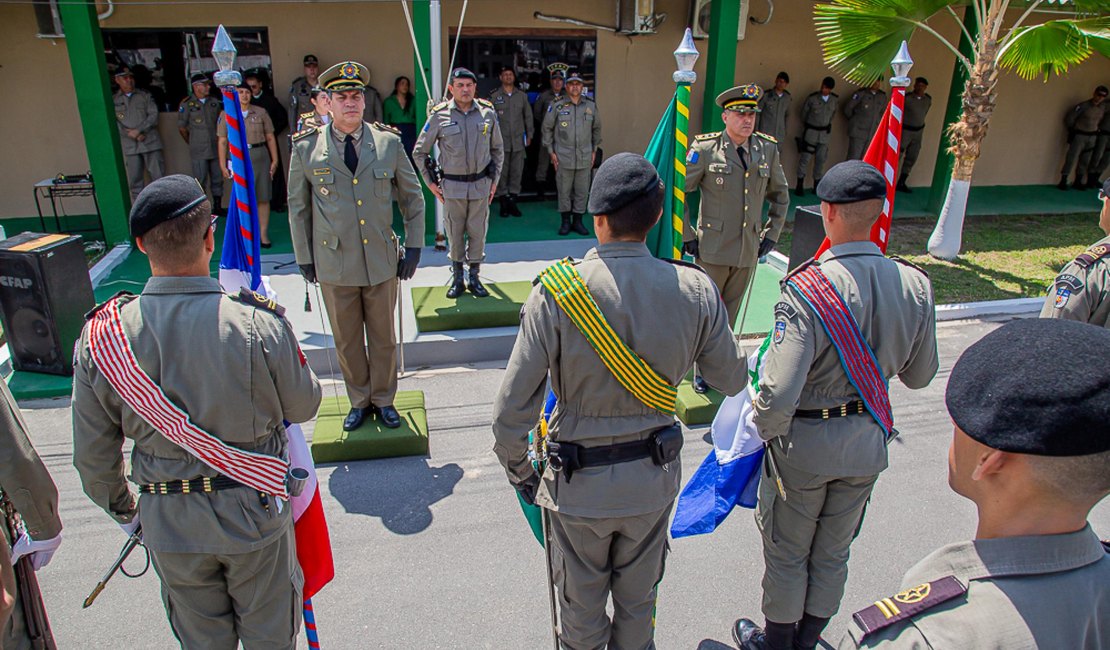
205 484
907 127
844 410
471 178
826 129
662 446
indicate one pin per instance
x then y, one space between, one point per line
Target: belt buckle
554 462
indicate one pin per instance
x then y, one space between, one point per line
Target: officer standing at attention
1082 289
300 92
471 153
613 430
514 114
1082 123
197 117
1100 159
227 373
26 483
137 119
556 92
818 112
916 108
827 425
864 112
774 107
1035 576
737 170
572 133
341 180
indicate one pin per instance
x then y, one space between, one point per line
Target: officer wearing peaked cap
610 502
221 545
1034 458
1082 289
341 180
300 91
197 118
137 119
572 135
827 422
737 170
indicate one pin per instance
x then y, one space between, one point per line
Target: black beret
851 181
1018 389
620 180
463 73
167 198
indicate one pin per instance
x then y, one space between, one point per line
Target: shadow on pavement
399 491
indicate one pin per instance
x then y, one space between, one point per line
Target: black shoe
565 228
505 206
1078 184
391 419
816 182
748 635
266 244
540 192
475 284
700 387
1063 184
513 209
577 225
354 418
458 287
800 189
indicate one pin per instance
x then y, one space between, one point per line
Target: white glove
131 527
41 552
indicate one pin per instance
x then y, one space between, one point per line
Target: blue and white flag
729 475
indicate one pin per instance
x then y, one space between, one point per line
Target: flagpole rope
331 367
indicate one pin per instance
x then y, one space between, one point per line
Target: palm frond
1054 46
860 37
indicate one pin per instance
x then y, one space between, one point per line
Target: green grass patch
1002 256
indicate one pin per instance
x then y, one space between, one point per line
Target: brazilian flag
661 153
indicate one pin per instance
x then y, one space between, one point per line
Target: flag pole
685 57
901 65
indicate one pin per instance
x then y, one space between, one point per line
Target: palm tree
859 38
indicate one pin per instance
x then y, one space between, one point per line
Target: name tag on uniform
564 112
720 168
499 100
322 171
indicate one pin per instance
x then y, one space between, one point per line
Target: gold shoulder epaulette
907 604
1092 255
305 116
766 137
308 130
440 106
385 127
708 136
484 102
255 299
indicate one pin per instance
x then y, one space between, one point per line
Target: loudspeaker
809 232
45 292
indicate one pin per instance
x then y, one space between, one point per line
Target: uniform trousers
593 558
467 221
819 156
361 321
1100 159
574 189
806 539
14 634
511 173
857 146
1080 150
215 602
207 171
543 163
732 283
911 149
138 165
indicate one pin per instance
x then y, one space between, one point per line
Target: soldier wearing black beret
182 370
1082 289
609 512
827 431
1034 457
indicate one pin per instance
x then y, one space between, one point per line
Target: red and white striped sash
111 350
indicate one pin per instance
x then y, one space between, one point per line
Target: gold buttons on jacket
355 181
366 241
361 222
360 201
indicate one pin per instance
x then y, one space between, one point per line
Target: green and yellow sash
571 294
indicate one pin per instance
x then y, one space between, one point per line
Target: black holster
662 447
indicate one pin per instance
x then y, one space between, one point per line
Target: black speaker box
45 292
809 232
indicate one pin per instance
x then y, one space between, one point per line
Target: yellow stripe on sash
573 297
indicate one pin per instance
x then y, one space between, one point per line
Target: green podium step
39 385
694 409
331 444
435 312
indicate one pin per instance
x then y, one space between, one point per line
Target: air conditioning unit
700 18
48 19
637 17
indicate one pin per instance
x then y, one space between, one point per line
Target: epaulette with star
1092 255
904 262
484 102
766 137
308 130
796 269
707 136
255 299
387 128
907 604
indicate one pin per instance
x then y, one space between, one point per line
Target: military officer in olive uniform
197 117
864 112
1082 123
824 447
1035 576
916 108
300 92
556 92
471 153
137 119
572 133
774 107
341 181
609 520
221 545
320 113
514 114
818 112
26 483
1082 289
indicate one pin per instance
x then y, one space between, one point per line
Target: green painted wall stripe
422 25
720 66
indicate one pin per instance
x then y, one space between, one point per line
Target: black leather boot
475 284
513 209
457 285
1063 184
504 200
902 187
800 189
565 228
579 227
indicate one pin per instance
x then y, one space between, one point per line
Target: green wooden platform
331 444
435 312
39 385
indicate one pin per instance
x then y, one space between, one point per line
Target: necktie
350 156
743 157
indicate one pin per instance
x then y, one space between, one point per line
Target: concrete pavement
434 553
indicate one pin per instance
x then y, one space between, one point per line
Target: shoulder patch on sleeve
1068 280
786 310
259 301
92 312
812 260
484 102
907 604
303 133
387 128
905 262
707 136
767 137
